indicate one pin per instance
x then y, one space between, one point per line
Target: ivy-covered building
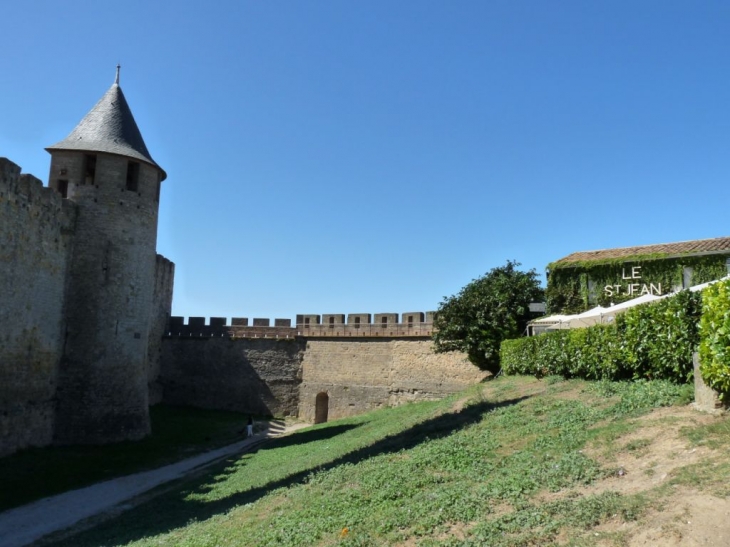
601 278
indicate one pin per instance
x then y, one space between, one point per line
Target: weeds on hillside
492 472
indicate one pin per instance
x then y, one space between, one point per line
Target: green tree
490 309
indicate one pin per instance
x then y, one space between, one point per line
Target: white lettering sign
632 288
635 273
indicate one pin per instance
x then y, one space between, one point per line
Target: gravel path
24 525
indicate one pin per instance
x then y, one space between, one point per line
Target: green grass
500 471
176 433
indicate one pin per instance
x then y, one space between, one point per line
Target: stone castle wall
86 344
413 324
161 308
283 376
47 309
255 375
36 228
368 373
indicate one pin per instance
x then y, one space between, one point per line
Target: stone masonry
282 370
85 297
36 237
256 375
87 342
365 374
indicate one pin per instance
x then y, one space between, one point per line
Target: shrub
715 338
652 341
661 337
486 311
598 352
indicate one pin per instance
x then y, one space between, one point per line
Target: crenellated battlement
24 192
411 324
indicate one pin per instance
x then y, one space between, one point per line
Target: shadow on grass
173 510
308 436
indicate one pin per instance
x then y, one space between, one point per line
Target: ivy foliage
651 341
574 287
715 338
490 309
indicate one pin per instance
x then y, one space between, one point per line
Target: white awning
600 314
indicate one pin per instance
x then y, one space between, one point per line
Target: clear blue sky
375 156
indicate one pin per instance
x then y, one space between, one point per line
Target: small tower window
89 169
62 187
132 176
384 321
332 322
357 322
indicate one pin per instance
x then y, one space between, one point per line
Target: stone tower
103 166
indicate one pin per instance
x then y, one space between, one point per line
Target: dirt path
648 457
29 523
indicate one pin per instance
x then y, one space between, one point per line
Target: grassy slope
501 465
176 433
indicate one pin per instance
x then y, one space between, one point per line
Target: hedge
651 341
715 338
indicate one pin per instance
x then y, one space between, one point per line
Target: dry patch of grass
686 517
650 451
656 458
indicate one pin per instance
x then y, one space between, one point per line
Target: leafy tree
488 310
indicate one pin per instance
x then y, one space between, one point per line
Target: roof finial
116 80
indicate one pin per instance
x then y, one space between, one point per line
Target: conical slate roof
109 127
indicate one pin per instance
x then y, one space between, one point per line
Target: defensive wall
36 228
355 362
38 235
257 375
416 324
348 377
324 367
160 315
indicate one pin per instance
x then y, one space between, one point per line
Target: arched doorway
321 407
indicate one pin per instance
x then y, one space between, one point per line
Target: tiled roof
698 246
109 127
